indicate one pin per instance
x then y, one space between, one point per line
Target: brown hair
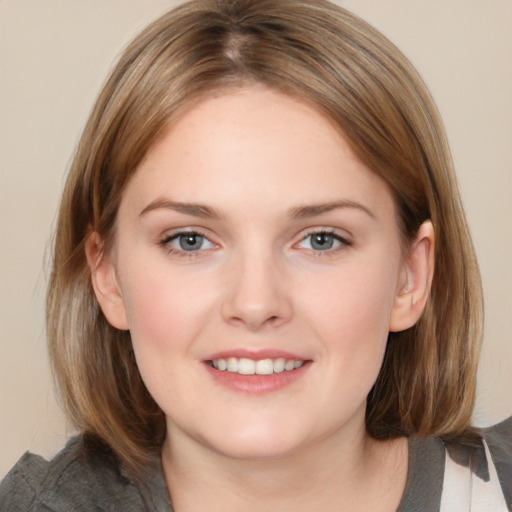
329 58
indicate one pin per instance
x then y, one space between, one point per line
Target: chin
256 443
256 451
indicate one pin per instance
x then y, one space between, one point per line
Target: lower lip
257 384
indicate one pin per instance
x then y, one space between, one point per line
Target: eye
323 241
189 241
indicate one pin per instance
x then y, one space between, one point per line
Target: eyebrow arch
313 210
194 209
206 212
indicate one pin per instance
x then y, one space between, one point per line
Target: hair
329 58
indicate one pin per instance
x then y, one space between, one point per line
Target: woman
264 293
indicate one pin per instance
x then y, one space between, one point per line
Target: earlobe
416 280
104 282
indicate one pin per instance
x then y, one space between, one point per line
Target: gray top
82 480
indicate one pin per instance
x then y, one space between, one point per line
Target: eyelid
174 233
344 241
340 234
343 238
166 239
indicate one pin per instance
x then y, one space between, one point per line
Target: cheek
356 292
164 307
350 311
166 314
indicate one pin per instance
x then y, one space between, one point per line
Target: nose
257 295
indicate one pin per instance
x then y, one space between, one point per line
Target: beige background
54 55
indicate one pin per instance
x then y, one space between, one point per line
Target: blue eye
322 241
187 242
190 241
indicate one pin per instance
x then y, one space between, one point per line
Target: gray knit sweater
442 477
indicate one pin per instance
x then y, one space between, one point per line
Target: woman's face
251 239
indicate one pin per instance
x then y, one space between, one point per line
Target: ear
415 280
104 282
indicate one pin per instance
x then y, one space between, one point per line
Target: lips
258 372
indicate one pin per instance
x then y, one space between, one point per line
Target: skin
256 281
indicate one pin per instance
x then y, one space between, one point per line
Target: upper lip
256 355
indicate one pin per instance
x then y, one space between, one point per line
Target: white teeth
232 365
264 367
289 365
244 366
279 365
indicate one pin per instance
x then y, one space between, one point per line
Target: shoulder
76 479
484 466
499 441
473 472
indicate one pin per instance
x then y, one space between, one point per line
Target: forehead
249 144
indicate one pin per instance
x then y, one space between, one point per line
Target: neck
343 473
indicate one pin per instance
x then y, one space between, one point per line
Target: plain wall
54 56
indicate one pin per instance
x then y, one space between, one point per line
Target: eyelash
166 243
343 242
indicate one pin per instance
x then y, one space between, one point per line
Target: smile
244 366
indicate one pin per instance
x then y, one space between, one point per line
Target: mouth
245 366
256 372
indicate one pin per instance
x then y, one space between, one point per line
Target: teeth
232 365
289 365
279 365
264 367
244 366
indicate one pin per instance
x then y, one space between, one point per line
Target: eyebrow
194 209
206 212
314 210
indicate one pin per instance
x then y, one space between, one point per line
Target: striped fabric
465 491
